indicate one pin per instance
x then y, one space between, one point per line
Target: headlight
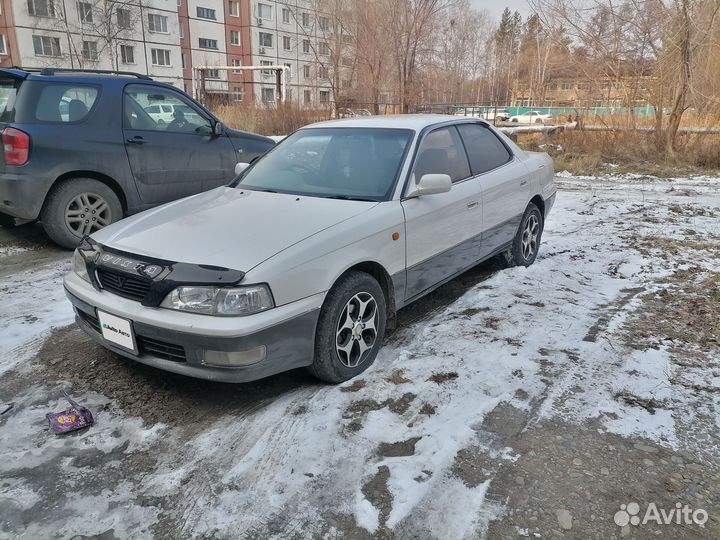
220 301
79 266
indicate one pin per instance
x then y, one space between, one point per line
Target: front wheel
526 243
77 207
350 328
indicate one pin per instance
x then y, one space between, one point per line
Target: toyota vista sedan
304 259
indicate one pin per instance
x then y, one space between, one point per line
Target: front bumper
180 347
22 196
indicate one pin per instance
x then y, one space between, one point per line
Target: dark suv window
485 150
8 94
41 102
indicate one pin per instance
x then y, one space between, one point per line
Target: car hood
227 227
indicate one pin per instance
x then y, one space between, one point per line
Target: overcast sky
496 7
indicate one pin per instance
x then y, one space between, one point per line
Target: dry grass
589 152
280 120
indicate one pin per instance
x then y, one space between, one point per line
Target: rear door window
485 150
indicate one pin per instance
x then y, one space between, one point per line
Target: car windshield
343 163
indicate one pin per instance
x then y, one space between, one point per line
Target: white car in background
304 258
162 113
532 117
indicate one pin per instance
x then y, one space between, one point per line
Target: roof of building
415 122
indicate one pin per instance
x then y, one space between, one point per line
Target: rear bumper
288 344
22 196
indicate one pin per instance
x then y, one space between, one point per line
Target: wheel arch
94 175
381 275
538 201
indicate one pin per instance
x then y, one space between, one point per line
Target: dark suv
82 148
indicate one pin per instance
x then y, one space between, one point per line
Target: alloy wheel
357 329
86 213
530 234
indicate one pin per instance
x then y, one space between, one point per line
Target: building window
205 43
264 11
123 18
85 12
306 46
323 72
180 27
206 13
266 72
286 43
286 15
288 73
323 48
160 57
236 62
305 19
288 94
306 71
3 44
46 46
42 8
324 96
324 23
268 95
307 96
182 61
234 37
157 23
266 40
234 8
127 54
212 73
238 93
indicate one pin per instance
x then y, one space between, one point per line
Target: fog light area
235 359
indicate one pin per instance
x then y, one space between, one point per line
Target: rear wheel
526 243
350 328
77 207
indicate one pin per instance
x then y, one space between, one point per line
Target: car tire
538 120
77 207
515 120
526 243
341 328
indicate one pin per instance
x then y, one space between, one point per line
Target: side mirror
240 167
219 128
431 184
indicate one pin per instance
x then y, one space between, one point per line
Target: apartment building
166 39
137 35
289 33
585 92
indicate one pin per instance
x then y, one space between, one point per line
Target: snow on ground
33 303
383 453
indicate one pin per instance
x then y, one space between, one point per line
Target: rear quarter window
8 94
55 103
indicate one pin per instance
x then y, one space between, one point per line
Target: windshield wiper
350 198
264 190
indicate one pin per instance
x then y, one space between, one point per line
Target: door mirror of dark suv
219 128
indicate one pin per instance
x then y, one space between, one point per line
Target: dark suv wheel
77 207
350 329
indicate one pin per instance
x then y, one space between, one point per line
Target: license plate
117 330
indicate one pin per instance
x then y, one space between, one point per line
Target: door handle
472 205
136 140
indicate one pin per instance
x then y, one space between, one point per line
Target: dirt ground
615 403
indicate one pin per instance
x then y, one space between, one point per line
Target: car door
504 182
174 159
442 231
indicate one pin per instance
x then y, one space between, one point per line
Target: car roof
69 75
415 122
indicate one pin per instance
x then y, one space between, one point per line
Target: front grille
168 351
123 284
154 347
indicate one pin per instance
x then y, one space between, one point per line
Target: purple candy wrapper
72 419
